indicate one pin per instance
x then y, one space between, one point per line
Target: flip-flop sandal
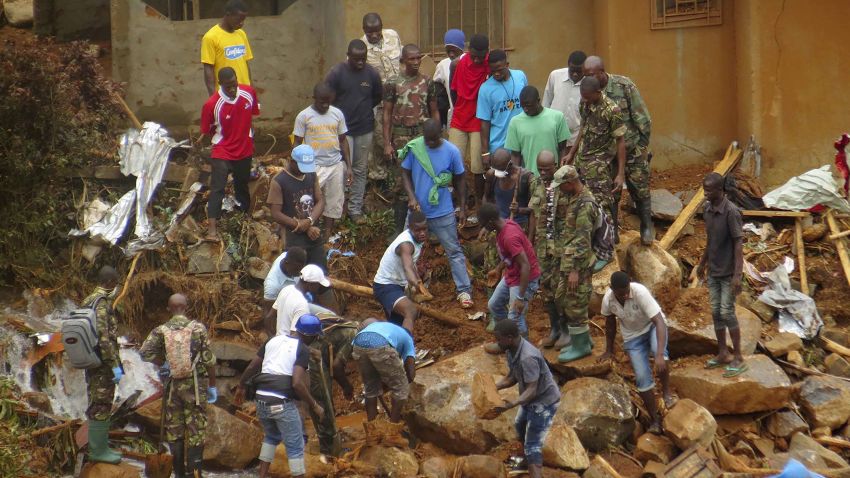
714 363
735 371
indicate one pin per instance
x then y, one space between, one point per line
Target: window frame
712 16
435 49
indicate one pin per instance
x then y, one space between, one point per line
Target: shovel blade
158 465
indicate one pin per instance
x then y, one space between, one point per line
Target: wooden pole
730 160
839 245
801 255
833 237
364 291
123 292
130 114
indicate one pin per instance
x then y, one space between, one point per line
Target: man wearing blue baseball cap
296 203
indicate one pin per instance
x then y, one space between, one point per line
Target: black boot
195 457
615 220
647 231
178 453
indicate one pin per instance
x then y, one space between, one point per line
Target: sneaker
465 300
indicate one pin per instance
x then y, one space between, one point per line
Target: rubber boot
99 450
178 453
195 459
554 326
579 347
615 220
647 231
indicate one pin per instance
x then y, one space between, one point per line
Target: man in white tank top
398 270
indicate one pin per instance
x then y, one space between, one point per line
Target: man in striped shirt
226 117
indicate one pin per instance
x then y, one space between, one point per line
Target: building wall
77 20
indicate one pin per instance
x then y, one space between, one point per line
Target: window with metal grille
203 9
471 16
685 13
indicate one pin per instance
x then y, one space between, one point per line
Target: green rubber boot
580 345
99 450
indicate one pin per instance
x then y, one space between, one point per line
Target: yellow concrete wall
685 75
791 81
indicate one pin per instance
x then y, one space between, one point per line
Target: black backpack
603 237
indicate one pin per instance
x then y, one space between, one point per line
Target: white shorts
332 182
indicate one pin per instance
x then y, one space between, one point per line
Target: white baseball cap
314 273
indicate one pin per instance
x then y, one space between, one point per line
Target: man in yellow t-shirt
226 44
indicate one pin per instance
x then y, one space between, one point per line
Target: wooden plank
794 214
833 237
730 160
801 255
839 245
174 173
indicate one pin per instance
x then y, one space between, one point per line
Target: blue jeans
722 303
504 296
282 423
532 425
641 350
445 228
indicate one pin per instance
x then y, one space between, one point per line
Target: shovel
158 465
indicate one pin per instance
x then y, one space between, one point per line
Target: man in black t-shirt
282 362
296 203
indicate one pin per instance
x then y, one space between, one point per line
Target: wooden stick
839 245
363 291
127 280
130 114
606 466
835 347
801 255
730 160
42 431
831 441
755 213
833 237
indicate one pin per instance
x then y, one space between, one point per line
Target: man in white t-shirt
644 332
283 272
293 300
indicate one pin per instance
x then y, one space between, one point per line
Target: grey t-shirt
529 366
322 132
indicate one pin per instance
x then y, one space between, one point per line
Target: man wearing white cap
296 203
292 302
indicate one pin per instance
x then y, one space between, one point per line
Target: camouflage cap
565 174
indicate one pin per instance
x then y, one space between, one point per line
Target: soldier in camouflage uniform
600 140
182 347
577 259
410 99
546 228
101 381
334 347
623 92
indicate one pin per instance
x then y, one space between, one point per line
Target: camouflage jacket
601 125
107 327
385 56
580 218
154 346
626 96
411 97
548 204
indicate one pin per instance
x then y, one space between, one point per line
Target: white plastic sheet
806 191
797 311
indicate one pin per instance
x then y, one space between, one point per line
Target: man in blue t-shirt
429 165
386 357
498 102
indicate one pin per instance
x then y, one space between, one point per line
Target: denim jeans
503 297
282 423
532 425
445 228
641 350
722 303
360 147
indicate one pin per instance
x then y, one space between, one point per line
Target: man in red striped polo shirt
226 117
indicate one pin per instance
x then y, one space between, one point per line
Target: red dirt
692 311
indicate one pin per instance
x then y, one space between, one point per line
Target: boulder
481 466
208 257
312 463
761 388
485 397
600 412
227 350
825 401
782 343
688 424
732 424
811 453
837 365
691 330
665 205
563 449
658 448
19 13
653 469
230 444
438 467
656 269
258 268
786 423
391 461
105 470
796 358
440 404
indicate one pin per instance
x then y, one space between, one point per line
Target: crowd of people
545 176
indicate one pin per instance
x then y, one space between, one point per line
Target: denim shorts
532 425
641 350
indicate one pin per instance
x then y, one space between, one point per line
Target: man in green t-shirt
534 130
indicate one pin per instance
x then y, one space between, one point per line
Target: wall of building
160 61
77 20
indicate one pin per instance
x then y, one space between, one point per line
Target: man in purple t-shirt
518 267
